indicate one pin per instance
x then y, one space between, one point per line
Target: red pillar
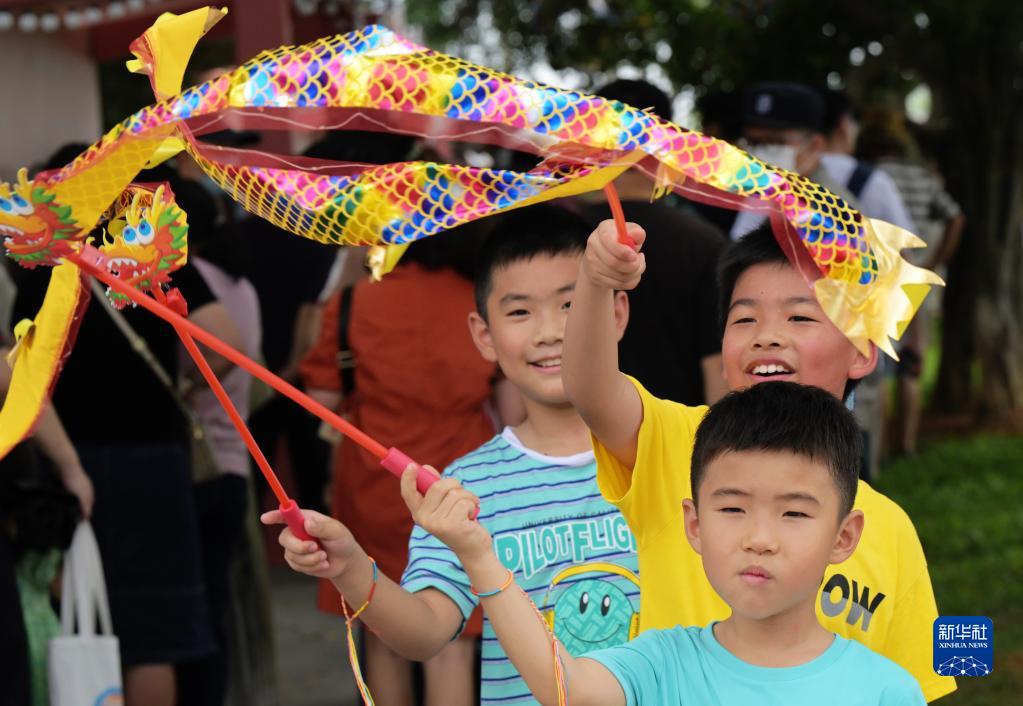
259 25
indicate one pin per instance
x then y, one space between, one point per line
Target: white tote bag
85 667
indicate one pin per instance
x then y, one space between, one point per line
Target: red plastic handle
619 216
295 519
396 462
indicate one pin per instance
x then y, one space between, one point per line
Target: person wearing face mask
781 125
878 195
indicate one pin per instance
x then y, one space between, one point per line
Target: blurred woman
419 385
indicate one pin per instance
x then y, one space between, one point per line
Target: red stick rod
221 394
619 216
236 357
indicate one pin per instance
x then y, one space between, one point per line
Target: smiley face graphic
592 614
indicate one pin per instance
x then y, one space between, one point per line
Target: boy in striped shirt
569 548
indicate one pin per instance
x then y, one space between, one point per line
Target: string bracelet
353 654
487 594
372 590
559 664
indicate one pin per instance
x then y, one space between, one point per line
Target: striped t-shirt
571 551
929 205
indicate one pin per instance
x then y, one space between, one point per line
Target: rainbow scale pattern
375 68
391 204
584 141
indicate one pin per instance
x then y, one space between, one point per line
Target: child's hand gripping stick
396 462
295 520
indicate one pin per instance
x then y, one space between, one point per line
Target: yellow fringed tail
883 314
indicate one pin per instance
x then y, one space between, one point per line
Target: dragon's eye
145 232
21 206
6 206
130 235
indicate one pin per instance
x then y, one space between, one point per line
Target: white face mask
778 155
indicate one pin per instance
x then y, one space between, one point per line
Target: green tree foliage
707 45
969 54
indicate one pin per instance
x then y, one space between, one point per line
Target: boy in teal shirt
774 477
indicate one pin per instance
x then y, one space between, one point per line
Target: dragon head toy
35 228
145 239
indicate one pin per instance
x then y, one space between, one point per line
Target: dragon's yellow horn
133 214
159 204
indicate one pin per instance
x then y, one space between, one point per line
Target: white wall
49 95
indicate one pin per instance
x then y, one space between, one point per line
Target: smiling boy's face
776 330
768 525
527 308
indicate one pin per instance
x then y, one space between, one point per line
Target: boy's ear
863 365
849 533
691 520
482 337
621 314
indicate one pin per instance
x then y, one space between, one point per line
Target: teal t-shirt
689 667
571 552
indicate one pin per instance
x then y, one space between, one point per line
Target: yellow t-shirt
881 596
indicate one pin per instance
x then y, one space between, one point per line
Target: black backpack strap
345 357
859 178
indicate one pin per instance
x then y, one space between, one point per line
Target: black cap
783 106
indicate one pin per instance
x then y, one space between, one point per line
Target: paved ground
312 656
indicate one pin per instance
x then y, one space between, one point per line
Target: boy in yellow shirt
774 330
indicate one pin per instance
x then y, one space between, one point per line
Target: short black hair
220 243
836 105
724 109
783 417
200 206
454 249
758 247
64 155
39 513
523 234
638 94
